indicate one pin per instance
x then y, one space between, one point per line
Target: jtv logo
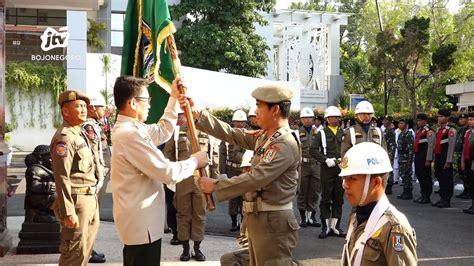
54 39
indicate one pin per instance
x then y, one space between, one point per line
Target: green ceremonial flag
147 25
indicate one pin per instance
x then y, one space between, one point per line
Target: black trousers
170 211
423 174
142 255
332 193
445 179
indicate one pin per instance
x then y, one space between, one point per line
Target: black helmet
41 149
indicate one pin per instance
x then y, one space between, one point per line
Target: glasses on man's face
144 99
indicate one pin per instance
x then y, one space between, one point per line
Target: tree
220 35
94 41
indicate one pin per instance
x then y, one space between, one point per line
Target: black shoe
388 190
407 196
175 241
324 233
303 224
435 204
400 196
469 210
459 196
314 223
97 257
235 228
425 201
418 200
444 204
98 254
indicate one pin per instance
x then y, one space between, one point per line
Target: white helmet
306 112
253 111
366 158
332 111
247 158
364 107
239 115
98 100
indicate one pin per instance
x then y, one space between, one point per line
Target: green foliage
94 41
32 81
220 35
224 114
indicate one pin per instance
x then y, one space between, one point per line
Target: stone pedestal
39 238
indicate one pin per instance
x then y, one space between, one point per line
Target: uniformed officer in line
405 159
230 158
463 127
309 182
423 150
270 186
326 148
77 171
362 131
98 140
253 118
389 136
443 163
467 157
378 233
189 201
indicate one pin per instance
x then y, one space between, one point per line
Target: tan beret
70 95
274 93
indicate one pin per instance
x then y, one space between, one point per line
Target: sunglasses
144 99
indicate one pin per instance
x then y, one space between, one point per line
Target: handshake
331 162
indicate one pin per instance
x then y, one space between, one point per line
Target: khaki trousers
272 237
76 244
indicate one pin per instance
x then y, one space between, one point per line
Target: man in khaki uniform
77 172
310 182
230 158
189 201
98 140
270 186
378 233
363 130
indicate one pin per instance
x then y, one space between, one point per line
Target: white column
77 50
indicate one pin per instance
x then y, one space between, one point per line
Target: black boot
197 252
325 229
444 204
235 225
314 222
185 256
175 241
388 190
303 218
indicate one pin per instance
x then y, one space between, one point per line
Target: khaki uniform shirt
372 135
74 166
393 244
274 165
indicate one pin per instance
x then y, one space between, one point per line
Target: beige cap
70 95
274 93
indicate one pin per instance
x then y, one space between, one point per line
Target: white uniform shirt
139 170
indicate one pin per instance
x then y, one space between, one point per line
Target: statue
40 186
